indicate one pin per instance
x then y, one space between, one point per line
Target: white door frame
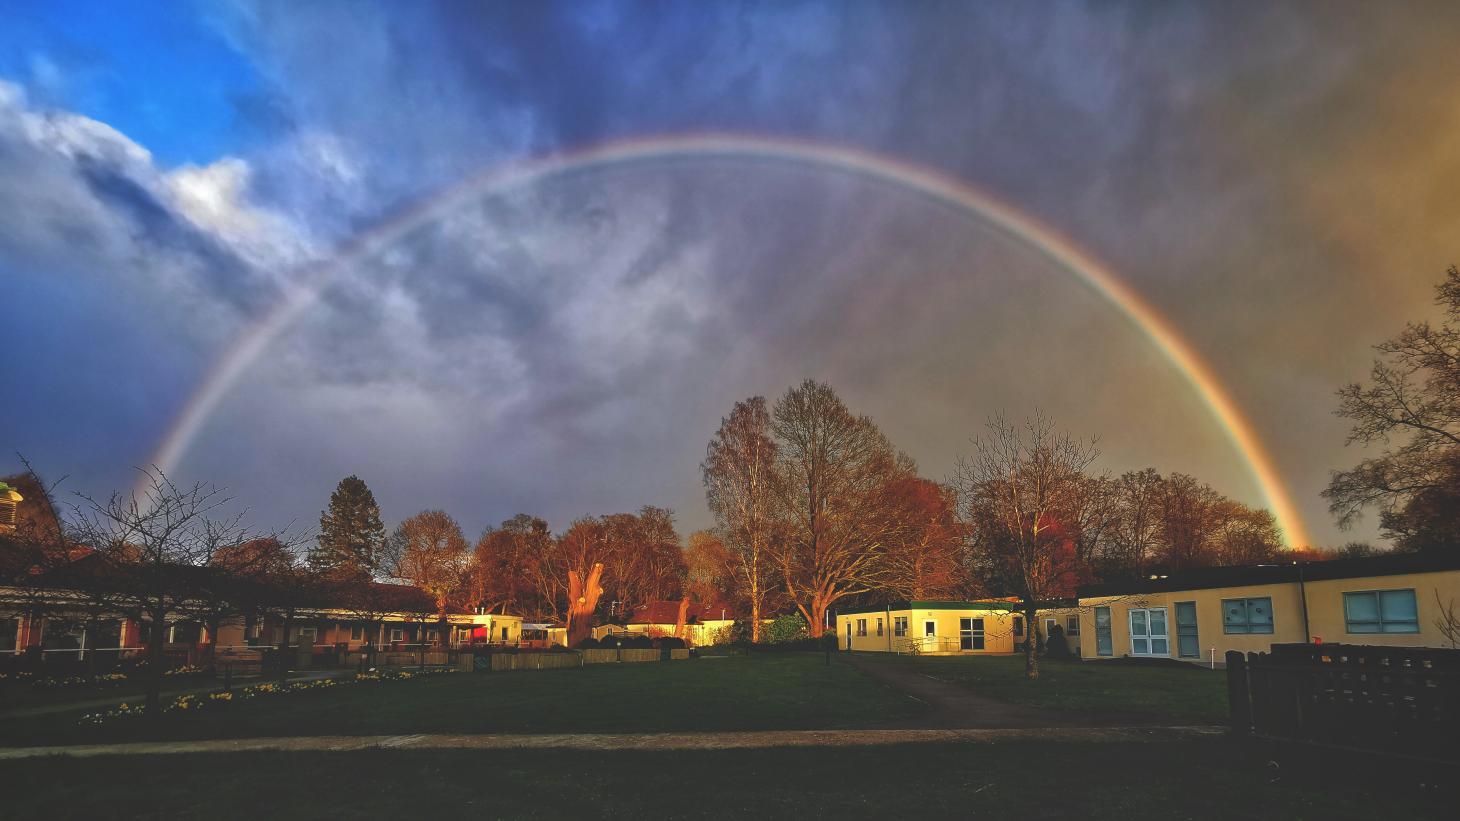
1147 638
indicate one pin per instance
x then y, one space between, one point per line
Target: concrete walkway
619 742
953 706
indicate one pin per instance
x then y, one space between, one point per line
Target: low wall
675 655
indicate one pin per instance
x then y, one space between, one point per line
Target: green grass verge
756 692
1202 779
1180 692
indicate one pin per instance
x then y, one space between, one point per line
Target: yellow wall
998 631
1325 614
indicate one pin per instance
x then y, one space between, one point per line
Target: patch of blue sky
152 70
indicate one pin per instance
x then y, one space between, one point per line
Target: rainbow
307 287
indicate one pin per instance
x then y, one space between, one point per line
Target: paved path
953 706
617 742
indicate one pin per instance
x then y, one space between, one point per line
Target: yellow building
947 627
1397 599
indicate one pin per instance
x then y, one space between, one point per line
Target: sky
1277 180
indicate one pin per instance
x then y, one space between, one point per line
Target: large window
1247 615
861 627
1019 626
899 625
1104 642
1381 611
970 634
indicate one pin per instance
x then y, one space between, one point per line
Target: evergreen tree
351 534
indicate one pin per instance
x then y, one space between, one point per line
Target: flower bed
199 702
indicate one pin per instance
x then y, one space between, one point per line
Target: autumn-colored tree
504 566
924 555
710 570
835 471
642 557
429 551
739 473
1016 491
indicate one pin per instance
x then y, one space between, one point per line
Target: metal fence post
1239 699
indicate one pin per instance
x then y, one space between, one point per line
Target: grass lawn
1182 692
757 692
1018 780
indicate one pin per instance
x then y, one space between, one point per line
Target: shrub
783 629
589 643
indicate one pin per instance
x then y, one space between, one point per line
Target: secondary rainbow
315 278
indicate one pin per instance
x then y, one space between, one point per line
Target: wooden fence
502 662
621 654
1396 700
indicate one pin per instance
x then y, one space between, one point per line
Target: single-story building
950 627
703 624
1197 616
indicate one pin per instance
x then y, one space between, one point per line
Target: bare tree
429 551
835 473
740 487
1411 407
1448 621
158 543
1017 490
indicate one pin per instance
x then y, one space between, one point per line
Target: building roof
1206 578
982 604
667 612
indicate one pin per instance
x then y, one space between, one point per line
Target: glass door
1104 640
1187 645
1140 633
1148 632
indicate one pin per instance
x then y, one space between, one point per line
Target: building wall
998 631
1325 605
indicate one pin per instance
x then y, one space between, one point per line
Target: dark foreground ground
1213 778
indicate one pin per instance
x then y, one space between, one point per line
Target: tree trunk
284 646
754 617
1031 642
154 664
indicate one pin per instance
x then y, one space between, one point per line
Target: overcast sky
1279 180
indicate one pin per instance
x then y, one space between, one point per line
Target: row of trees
816 507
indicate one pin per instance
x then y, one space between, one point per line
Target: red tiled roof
667 612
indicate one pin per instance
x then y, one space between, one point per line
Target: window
930 628
1018 625
1247 615
357 632
1187 646
396 634
970 634
1104 642
879 627
504 634
1049 627
899 625
307 635
1381 611
1072 625
861 627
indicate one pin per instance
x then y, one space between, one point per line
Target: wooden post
1239 699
